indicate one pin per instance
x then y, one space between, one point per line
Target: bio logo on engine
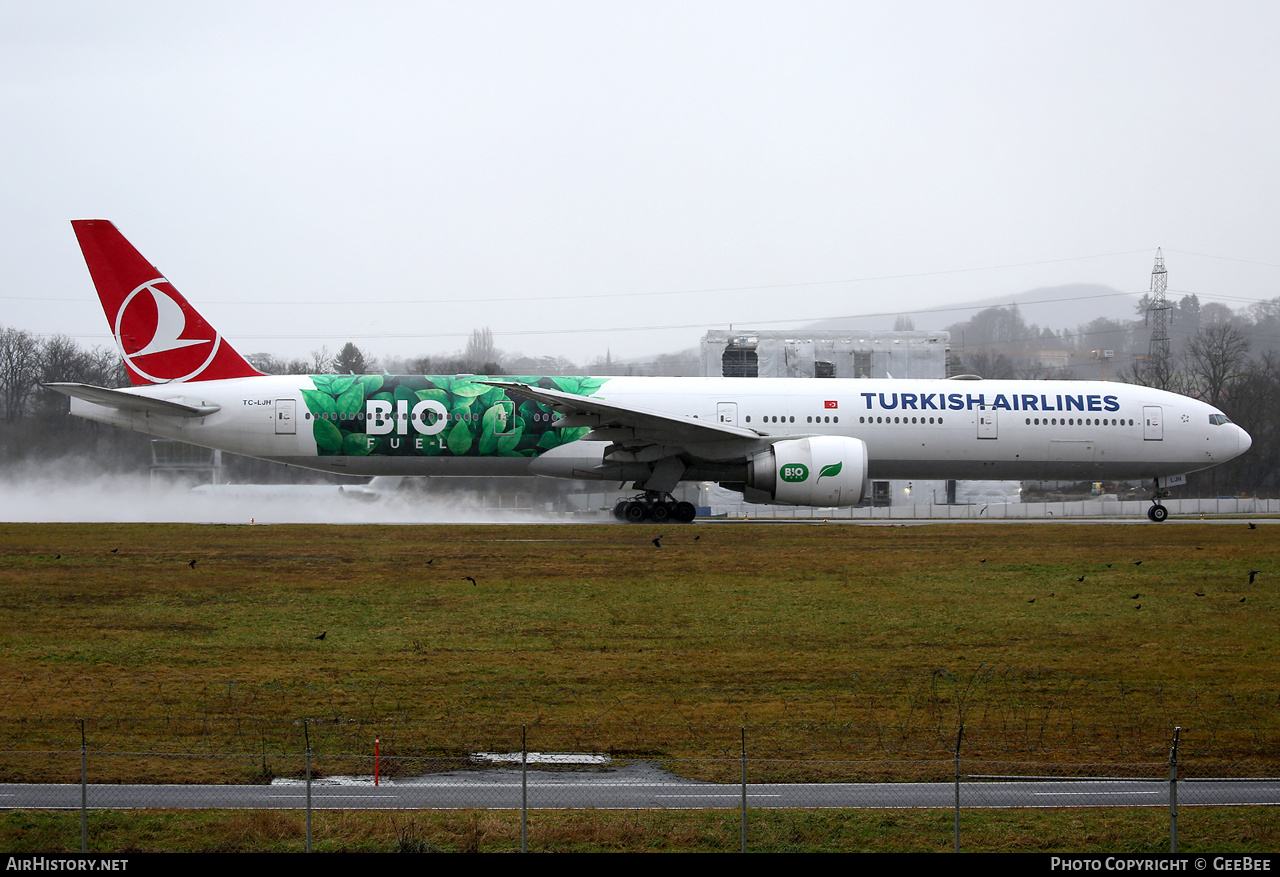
794 473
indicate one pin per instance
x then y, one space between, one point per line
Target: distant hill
1055 307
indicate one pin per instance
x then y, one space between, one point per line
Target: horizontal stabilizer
125 401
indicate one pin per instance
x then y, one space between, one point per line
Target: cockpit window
1219 419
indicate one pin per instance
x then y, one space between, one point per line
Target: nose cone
1246 441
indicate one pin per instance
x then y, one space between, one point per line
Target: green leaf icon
832 470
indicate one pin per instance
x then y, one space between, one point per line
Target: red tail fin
160 335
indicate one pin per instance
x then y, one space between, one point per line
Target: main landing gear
661 508
1158 512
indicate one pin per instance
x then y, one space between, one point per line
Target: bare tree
19 370
1216 356
481 357
321 361
992 366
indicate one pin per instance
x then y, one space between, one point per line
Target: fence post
959 735
84 792
524 789
743 828
1173 792
306 733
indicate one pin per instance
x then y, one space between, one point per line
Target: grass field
1118 831
1066 642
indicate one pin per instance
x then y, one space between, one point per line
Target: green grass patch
824 641
1132 830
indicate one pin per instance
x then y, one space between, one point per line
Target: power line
611 295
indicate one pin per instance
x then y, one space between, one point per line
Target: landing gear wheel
1157 513
636 512
620 511
661 512
685 512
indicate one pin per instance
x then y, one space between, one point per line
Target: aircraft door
727 412
507 417
1152 418
284 417
987 424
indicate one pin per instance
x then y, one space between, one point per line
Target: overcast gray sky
399 173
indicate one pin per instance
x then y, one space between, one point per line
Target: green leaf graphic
832 470
495 421
466 388
460 439
328 437
507 443
319 402
356 444
352 401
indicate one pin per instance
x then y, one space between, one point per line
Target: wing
627 425
664 445
125 401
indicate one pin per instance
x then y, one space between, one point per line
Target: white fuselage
922 429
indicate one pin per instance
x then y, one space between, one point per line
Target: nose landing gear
1157 512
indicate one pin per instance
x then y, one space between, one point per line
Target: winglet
161 337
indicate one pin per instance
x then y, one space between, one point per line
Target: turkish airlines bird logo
160 338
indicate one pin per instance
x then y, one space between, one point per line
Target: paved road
637 786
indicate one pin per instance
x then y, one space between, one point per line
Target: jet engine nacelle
822 471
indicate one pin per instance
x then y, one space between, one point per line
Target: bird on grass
322 635
192 564
1252 573
1081 579
657 542
1252 525
468 578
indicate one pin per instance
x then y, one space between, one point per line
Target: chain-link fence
520 799
987 511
